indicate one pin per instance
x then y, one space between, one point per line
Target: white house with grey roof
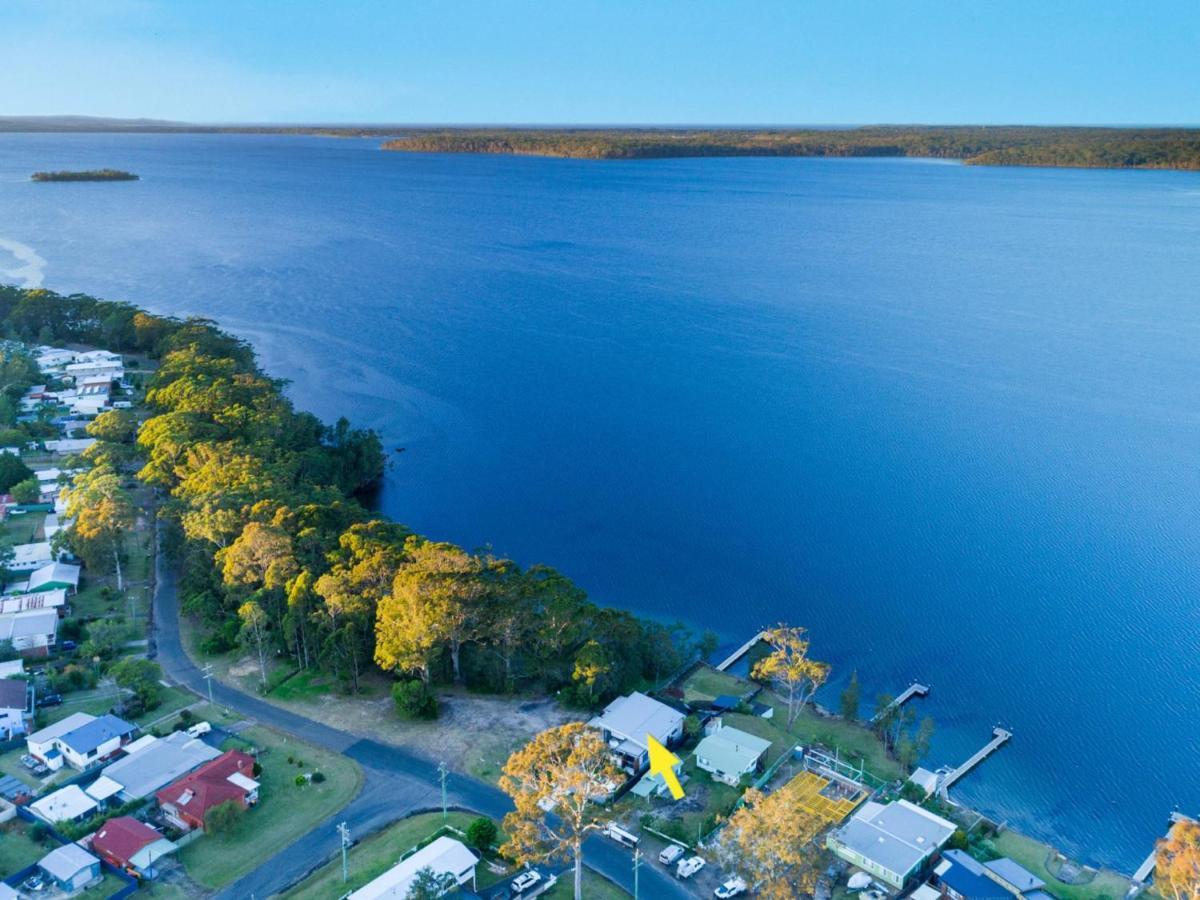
70 867
891 842
627 721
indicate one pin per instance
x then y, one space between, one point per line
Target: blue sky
577 61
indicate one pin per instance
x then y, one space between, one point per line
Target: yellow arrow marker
663 762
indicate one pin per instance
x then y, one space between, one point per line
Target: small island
86 175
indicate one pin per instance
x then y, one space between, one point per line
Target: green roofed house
891 842
727 753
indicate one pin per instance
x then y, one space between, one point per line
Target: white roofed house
53 359
626 722
55 599
32 632
71 868
95 365
70 804
28 557
444 856
91 397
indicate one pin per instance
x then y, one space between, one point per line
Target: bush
317 777
958 840
257 770
38 832
186 716
301 781
414 700
223 817
481 833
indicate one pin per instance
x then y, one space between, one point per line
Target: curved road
397 783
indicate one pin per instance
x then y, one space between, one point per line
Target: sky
605 62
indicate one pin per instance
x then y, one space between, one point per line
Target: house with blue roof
962 878
91 742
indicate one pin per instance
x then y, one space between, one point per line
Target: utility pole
443 771
208 676
637 864
343 831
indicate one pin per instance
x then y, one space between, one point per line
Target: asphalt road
397 782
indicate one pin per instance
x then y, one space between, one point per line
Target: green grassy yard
706 684
17 850
374 855
22 529
284 812
1033 856
595 887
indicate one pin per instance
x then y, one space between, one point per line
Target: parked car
671 854
689 867
29 762
50 700
731 888
198 729
67 645
525 881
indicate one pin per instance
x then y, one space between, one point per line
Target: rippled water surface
948 417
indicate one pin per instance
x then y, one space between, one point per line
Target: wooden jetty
1000 736
916 689
740 651
1146 869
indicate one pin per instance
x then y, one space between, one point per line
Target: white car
198 729
671 854
689 867
731 888
525 881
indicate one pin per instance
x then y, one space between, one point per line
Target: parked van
671 853
689 867
620 835
198 729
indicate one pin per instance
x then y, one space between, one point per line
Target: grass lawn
706 684
284 812
1033 855
306 685
595 887
854 742
21 529
374 855
97 701
107 886
16 849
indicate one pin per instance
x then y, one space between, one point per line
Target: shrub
958 840
414 700
223 817
38 832
257 770
481 833
317 777
301 781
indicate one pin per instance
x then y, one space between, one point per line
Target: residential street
397 782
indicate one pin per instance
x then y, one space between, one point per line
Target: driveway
396 784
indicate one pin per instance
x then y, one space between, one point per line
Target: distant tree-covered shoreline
1143 148
85 175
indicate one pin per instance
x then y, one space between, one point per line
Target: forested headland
280 555
1145 148
85 175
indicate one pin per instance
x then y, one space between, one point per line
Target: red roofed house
130 845
187 801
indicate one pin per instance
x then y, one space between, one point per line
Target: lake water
947 417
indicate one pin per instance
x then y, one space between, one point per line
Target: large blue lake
947 417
